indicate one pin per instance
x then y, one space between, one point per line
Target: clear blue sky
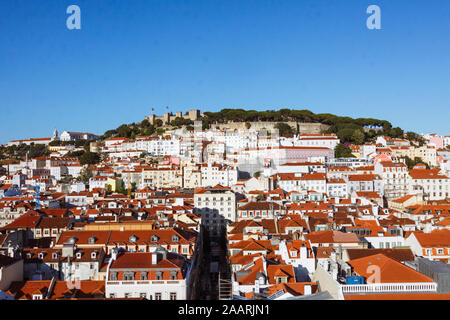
132 55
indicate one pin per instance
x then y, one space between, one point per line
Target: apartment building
430 183
157 275
395 178
168 176
216 206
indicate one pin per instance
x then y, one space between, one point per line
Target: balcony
141 282
389 287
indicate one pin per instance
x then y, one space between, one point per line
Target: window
112 295
158 275
143 295
114 275
281 280
127 295
158 296
173 296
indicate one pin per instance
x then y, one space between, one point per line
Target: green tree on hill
89 158
284 129
341 151
358 137
85 175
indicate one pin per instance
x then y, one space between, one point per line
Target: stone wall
308 128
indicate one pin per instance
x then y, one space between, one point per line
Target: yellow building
113 183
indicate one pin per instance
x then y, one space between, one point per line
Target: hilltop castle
168 116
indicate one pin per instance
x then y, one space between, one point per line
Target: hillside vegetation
349 130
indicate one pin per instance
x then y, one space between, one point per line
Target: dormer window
94 255
128 276
55 255
114 275
154 238
281 279
133 238
78 255
175 238
92 239
41 255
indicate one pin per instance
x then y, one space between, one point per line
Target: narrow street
210 263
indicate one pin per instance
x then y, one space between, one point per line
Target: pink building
437 140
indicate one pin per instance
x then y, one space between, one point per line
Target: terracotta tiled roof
391 271
437 238
329 236
399 255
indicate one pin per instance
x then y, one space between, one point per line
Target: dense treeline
19 152
349 130
131 131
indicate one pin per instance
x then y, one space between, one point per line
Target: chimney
307 289
114 254
303 251
375 210
257 288
154 258
334 271
333 256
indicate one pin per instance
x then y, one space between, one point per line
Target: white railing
389 287
136 282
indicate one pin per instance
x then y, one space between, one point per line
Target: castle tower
151 119
194 114
55 135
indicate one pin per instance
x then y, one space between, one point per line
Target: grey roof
436 266
324 295
6 261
